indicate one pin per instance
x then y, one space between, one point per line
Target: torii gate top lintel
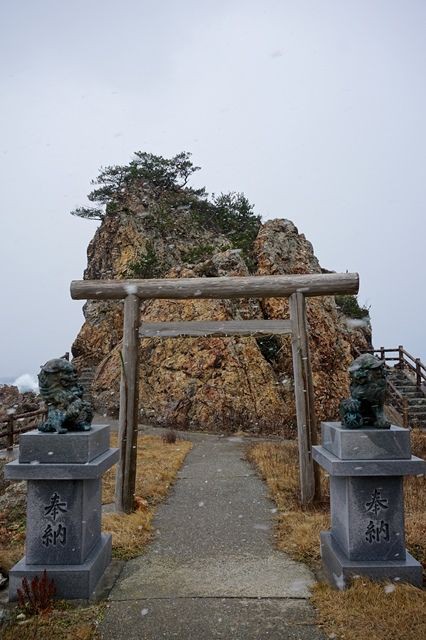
296 287
316 284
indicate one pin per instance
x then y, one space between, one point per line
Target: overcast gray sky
315 109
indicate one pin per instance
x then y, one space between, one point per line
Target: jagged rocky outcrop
211 383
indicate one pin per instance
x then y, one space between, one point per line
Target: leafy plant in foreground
36 596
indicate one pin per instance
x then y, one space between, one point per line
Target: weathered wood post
303 390
10 425
308 385
129 404
405 413
418 374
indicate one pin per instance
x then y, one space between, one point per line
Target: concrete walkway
212 571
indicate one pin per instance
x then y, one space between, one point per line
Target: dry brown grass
418 443
373 610
415 503
157 465
297 530
12 524
10 556
59 624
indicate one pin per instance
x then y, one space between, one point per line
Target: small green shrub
198 253
234 217
146 265
166 183
114 183
349 305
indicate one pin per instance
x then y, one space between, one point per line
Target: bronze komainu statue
59 388
365 407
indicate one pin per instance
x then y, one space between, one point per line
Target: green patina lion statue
365 407
59 388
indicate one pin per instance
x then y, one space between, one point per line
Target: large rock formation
210 383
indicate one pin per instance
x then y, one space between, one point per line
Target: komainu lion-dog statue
59 388
365 407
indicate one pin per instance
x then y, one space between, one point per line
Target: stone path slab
212 571
208 619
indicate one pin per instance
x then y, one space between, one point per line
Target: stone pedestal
64 509
366 468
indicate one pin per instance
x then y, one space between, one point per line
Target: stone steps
415 398
416 402
407 389
416 408
86 378
411 395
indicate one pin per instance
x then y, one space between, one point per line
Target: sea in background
25 382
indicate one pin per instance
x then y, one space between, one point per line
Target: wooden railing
17 423
404 361
398 402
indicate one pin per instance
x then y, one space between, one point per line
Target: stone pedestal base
72 581
339 570
64 508
366 468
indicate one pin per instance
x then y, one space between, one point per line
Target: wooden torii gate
295 287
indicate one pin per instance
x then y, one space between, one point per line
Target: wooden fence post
303 392
129 401
10 425
405 413
418 374
401 356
